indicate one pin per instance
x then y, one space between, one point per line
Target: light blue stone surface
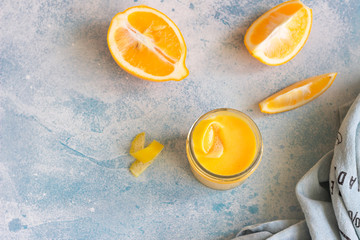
68 114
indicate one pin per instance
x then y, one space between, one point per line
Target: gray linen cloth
329 193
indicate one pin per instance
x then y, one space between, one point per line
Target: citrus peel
149 153
144 156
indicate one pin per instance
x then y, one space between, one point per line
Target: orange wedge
147 44
297 94
279 34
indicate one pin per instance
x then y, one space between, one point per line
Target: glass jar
216 181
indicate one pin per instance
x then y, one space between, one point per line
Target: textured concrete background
68 114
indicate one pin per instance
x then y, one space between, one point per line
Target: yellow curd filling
224 143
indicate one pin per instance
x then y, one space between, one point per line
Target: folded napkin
329 193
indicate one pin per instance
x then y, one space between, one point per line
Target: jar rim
255 161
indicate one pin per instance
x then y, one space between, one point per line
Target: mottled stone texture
68 114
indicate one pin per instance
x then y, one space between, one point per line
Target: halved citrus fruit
147 44
297 94
279 34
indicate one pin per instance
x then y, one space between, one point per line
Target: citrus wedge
279 34
212 143
297 94
208 139
207 135
217 148
147 44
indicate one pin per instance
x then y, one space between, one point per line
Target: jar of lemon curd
224 147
